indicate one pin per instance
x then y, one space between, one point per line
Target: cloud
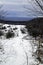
1 3
15 3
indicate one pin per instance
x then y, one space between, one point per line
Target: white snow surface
17 49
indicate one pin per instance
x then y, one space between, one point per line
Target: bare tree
35 8
39 2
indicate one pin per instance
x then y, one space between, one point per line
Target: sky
20 9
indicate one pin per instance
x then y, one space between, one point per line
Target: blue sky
20 8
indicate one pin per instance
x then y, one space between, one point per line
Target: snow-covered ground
19 49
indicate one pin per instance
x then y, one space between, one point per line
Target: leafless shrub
9 34
1 33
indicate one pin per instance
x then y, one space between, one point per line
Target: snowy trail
16 50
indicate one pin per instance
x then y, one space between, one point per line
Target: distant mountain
18 18
15 20
27 21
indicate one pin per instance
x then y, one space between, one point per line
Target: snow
17 50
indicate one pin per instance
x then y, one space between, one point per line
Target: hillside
36 26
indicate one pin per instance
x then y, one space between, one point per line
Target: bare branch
35 9
37 1
3 12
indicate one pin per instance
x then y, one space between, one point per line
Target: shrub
15 28
4 27
1 33
8 26
23 31
9 34
33 31
1 47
